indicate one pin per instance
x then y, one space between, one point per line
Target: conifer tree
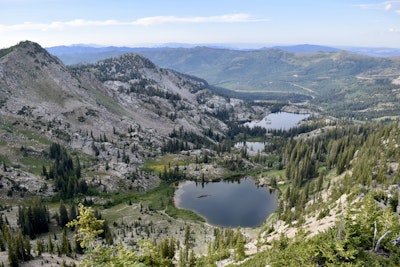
239 247
12 255
50 245
65 245
192 259
63 215
2 243
39 247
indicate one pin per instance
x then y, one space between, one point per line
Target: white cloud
58 25
386 5
21 1
230 18
147 21
394 30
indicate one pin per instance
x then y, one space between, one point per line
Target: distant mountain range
307 48
343 83
76 54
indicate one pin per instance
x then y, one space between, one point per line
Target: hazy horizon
362 23
216 45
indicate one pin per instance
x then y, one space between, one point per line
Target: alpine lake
237 202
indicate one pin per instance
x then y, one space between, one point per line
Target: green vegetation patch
34 164
160 198
158 165
5 159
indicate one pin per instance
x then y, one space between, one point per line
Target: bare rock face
157 98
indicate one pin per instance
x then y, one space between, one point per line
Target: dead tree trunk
378 244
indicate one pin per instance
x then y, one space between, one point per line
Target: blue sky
152 22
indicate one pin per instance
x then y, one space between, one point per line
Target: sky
363 23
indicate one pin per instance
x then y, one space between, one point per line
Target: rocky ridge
120 106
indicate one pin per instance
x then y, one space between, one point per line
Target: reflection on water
229 204
280 120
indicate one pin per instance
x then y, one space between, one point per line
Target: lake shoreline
228 203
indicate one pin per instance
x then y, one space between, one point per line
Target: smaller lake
279 121
228 204
252 146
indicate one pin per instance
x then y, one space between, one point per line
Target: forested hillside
364 201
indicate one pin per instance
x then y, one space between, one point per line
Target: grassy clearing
160 198
34 164
331 174
33 138
6 126
5 159
274 173
158 165
106 101
183 214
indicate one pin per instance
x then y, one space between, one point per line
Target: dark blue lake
229 204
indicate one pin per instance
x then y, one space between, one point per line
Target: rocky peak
133 68
31 77
30 50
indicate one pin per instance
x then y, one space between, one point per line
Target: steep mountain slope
354 220
157 98
124 105
36 85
